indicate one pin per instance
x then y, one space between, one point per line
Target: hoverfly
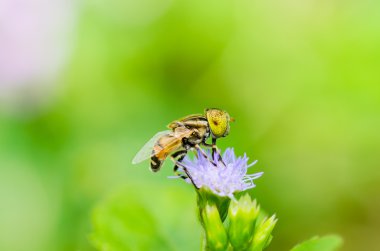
185 134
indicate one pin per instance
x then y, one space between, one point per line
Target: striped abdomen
163 147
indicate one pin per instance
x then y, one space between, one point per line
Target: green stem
203 242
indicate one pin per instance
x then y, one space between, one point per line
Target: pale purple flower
223 179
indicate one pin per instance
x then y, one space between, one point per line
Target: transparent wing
146 151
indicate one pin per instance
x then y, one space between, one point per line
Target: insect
185 134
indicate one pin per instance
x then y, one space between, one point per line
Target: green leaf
126 225
146 217
326 243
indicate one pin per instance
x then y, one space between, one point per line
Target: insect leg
206 145
216 150
214 147
204 154
177 162
180 155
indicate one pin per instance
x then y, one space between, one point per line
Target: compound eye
218 121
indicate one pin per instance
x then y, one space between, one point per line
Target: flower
223 175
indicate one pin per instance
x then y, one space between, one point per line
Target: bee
185 134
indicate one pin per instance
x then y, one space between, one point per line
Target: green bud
263 235
242 215
216 236
268 241
206 196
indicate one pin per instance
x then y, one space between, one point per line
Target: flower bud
242 215
216 236
263 235
206 196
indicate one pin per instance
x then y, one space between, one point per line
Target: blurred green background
301 78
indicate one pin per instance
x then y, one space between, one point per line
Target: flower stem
203 241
